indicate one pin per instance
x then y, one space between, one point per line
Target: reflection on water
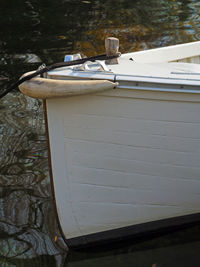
27 218
175 250
44 31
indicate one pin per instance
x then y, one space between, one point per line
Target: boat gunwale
165 54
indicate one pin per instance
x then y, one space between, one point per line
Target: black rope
55 66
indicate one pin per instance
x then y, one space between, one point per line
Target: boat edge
134 232
51 173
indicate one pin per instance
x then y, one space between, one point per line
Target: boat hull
123 158
134 233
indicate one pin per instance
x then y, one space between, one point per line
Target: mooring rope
55 66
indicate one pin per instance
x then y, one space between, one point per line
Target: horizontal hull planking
120 160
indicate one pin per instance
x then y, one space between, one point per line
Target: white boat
125 149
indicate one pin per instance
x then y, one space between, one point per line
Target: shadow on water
32 34
173 249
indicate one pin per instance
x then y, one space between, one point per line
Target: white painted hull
124 158
129 155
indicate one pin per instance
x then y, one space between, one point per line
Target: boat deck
183 77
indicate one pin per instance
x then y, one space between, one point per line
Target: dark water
32 32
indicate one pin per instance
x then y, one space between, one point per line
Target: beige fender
50 88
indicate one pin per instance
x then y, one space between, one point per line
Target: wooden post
112 46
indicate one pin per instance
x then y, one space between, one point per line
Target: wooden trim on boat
135 232
49 88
